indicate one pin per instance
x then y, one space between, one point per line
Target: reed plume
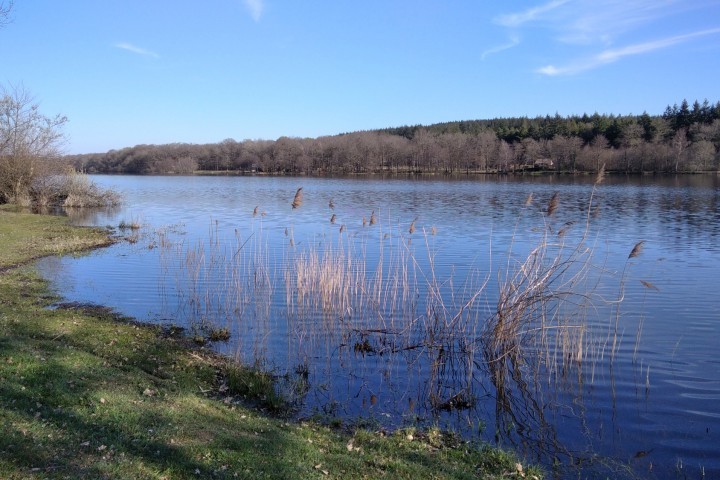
565 228
255 211
373 218
297 201
331 204
529 199
412 226
649 285
637 249
553 204
333 218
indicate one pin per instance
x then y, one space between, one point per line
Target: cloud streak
588 22
517 19
514 41
137 50
255 8
612 55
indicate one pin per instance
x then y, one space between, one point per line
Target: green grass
24 237
87 394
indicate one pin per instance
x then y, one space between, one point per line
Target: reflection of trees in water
90 216
685 207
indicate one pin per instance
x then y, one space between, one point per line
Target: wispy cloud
588 22
602 26
255 7
517 19
132 48
514 41
604 21
612 55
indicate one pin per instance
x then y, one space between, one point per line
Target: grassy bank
87 394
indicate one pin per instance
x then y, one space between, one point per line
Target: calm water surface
396 337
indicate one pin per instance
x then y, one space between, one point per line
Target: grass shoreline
85 393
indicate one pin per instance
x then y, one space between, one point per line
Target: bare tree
29 142
679 145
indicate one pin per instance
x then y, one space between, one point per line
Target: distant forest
685 138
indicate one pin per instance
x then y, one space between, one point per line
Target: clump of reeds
298 199
253 384
544 302
396 303
218 334
131 225
71 189
87 194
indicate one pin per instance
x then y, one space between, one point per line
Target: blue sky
127 72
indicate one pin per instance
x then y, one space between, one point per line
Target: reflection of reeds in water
219 283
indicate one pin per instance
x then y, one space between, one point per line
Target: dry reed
298 199
637 249
649 285
411 230
396 302
553 204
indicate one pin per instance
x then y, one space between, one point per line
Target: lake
575 323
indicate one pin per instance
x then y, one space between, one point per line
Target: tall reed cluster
530 315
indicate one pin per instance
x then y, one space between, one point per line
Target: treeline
684 139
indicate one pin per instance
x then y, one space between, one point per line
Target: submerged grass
87 394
